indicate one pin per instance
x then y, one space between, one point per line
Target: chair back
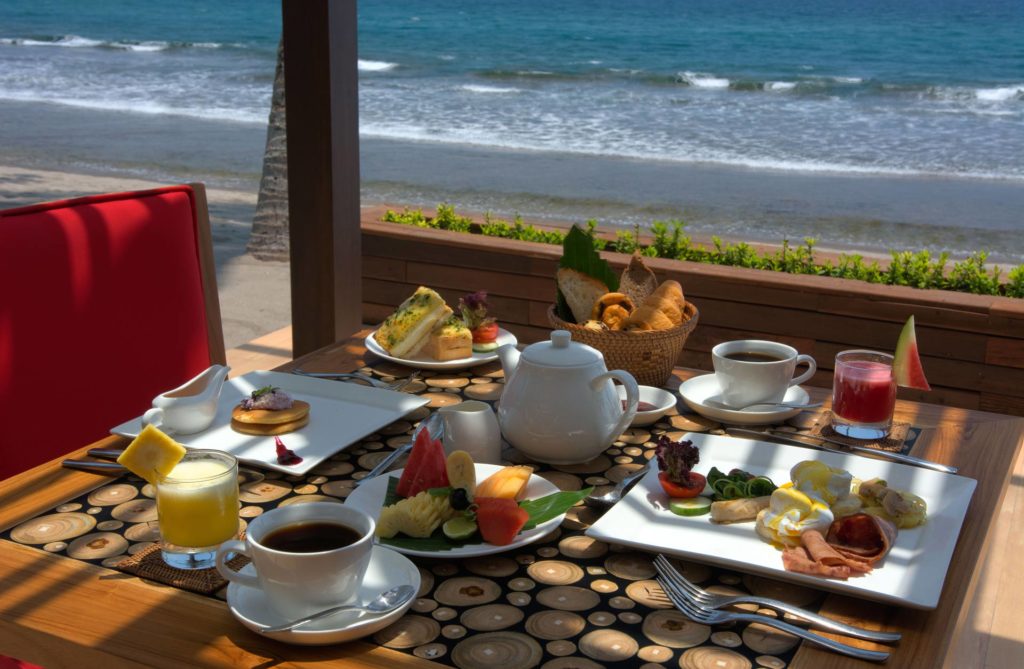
105 302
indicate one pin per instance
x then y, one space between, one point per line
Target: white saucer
387 569
696 391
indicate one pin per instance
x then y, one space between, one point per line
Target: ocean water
919 91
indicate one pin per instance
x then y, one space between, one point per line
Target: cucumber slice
485 347
459 527
692 506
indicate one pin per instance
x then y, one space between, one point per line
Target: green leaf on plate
578 253
545 508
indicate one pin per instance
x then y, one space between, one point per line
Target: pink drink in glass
864 394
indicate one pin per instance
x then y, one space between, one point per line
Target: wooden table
61 612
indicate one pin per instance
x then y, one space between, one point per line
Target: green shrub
907 268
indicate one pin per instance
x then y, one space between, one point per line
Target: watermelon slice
425 468
906 364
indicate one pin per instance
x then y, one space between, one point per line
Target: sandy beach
254 294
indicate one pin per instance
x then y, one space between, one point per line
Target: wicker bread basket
648 355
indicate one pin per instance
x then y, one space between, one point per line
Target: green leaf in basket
578 253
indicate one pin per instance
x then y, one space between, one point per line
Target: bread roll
638 281
613 309
581 292
662 310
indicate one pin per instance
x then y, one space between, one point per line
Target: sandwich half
403 333
450 340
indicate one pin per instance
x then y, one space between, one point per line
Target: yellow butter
152 455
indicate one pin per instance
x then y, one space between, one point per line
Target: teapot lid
561 351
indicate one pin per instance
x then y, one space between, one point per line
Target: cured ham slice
798 560
862 537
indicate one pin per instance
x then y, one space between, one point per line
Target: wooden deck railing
972 346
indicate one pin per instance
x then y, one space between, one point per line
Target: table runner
566 601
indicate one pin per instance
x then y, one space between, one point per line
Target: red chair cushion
102 309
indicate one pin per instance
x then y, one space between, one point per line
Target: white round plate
387 569
369 497
662 400
696 391
423 362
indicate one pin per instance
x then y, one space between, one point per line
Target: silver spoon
389 600
616 493
771 405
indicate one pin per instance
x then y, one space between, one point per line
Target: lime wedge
459 527
693 506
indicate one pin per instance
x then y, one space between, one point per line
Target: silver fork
712 617
706 599
396 385
434 426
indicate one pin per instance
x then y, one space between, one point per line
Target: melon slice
152 455
906 363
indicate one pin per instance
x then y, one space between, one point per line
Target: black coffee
752 356
311 537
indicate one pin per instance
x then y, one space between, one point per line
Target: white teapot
559 404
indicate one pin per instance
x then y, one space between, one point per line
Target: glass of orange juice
197 504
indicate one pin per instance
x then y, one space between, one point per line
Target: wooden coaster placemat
148 564
565 601
900 439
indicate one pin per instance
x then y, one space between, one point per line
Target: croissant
613 309
663 309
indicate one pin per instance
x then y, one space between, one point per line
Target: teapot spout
509 356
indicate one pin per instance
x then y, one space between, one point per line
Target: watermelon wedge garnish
906 364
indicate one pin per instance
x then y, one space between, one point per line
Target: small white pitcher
471 426
191 407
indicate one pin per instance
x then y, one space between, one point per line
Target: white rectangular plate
340 414
911 575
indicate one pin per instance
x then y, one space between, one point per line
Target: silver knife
95 466
826 444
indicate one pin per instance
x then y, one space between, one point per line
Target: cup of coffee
753 370
308 557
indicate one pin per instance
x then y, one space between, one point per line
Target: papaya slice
906 364
508 482
499 519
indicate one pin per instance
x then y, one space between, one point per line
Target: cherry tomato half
485 333
692 487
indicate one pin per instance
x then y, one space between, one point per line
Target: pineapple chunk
416 516
152 455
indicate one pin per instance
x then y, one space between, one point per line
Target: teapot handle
632 400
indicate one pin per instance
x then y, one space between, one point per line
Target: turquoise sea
759 118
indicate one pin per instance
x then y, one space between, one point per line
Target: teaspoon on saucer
769 405
382 603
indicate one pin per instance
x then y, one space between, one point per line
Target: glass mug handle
226 549
812 367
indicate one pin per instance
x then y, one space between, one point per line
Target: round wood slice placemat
566 601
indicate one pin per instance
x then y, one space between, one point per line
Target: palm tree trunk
269 237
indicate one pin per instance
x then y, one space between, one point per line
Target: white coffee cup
471 426
765 378
299 584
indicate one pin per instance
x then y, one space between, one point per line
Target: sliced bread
581 292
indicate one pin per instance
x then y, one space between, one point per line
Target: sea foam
701 80
375 65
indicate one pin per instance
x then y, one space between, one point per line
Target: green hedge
907 268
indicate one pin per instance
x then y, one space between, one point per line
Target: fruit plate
369 497
340 414
911 575
423 362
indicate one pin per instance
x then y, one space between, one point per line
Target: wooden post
321 97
